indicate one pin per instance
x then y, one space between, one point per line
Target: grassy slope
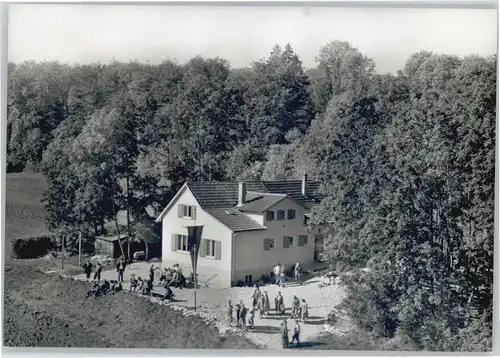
46 310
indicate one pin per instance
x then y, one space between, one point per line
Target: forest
406 163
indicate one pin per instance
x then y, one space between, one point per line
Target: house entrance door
318 247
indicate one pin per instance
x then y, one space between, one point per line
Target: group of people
173 277
285 341
106 287
170 277
280 274
87 268
260 303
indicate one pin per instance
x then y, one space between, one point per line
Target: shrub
370 301
32 247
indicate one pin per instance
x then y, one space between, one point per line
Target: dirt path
213 301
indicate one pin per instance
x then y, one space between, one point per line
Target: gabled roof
169 205
293 188
235 220
259 202
216 194
217 197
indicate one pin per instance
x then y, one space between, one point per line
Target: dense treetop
406 163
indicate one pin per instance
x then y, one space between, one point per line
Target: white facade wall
212 230
252 259
257 217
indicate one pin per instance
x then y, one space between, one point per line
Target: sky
90 33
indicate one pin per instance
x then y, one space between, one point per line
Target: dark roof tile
258 202
235 220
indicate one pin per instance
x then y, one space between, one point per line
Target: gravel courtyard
213 300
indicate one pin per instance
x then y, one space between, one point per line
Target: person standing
267 304
284 334
256 296
296 333
238 314
98 270
243 317
282 275
279 304
296 272
304 310
296 307
230 313
251 317
121 269
87 267
276 272
152 273
262 306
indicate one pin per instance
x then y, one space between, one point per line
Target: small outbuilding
110 245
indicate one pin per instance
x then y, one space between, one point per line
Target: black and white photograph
280 178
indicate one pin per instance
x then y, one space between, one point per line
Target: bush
32 247
370 301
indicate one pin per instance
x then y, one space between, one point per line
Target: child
230 313
133 283
251 317
243 316
140 285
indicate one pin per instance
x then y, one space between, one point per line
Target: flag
194 242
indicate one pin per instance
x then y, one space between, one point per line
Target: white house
247 227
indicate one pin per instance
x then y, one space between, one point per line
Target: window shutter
285 242
217 250
193 212
180 210
203 247
174 242
267 245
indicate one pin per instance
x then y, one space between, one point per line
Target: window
303 240
210 248
187 211
269 215
248 279
306 220
291 214
281 215
180 242
269 244
288 241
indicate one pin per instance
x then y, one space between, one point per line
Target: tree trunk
147 249
117 228
128 221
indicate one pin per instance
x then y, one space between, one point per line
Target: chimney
304 183
242 193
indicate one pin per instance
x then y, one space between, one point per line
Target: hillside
43 310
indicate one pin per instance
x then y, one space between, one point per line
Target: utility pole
80 249
62 252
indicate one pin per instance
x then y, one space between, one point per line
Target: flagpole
195 281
